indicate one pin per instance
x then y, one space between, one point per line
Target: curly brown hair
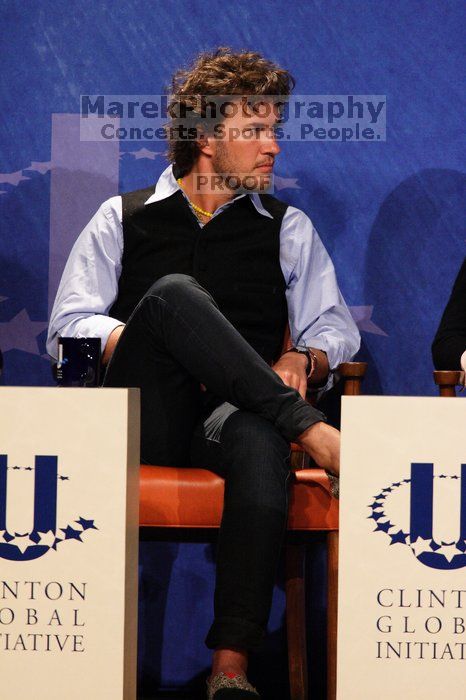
219 72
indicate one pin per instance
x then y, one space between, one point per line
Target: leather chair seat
193 498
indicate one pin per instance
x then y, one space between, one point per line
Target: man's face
245 146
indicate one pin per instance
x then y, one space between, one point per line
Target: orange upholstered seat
193 498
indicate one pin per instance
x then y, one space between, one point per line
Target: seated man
191 289
449 346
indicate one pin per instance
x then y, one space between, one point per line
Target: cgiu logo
44 534
405 512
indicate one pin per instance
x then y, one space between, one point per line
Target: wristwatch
311 359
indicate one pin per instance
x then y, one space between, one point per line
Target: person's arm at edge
449 344
318 315
89 284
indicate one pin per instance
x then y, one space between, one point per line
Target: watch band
311 359
314 362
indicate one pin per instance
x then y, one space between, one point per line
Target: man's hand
291 368
322 442
111 343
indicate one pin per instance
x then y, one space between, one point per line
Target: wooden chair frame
447 381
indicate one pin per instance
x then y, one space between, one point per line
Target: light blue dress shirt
318 315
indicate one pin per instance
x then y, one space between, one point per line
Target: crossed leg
176 339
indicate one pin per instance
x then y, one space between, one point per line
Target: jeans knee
256 467
255 439
171 285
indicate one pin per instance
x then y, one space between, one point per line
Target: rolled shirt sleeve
89 284
318 315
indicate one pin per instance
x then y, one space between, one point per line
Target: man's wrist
111 343
320 371
319 377
316 364
309 356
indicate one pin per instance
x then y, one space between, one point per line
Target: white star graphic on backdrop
17 177
12 178
21 333
144 153
284 183
40 166
362 316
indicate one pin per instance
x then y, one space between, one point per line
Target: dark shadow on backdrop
331 217
414 251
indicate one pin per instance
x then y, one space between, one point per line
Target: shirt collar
167 185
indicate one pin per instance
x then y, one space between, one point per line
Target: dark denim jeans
240 427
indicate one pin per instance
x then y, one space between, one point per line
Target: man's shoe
229 686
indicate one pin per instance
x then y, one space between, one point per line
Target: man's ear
205 142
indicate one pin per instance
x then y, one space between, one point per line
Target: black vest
235 257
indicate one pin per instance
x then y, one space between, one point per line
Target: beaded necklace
197 209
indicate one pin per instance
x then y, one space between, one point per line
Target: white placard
402 563
69 466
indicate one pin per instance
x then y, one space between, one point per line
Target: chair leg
296 621
332 613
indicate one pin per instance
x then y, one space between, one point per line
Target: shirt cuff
95 326
335 351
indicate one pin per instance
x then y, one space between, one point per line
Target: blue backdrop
390 213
